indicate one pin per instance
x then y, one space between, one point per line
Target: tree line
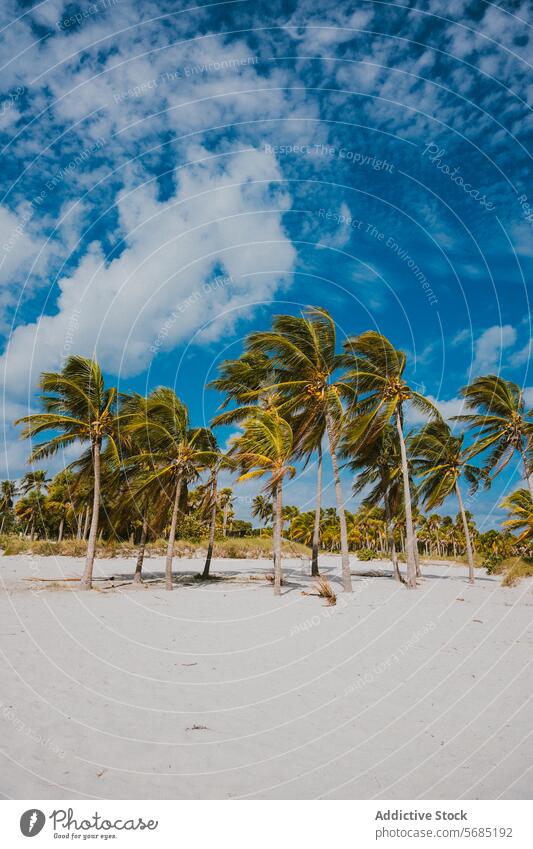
295 394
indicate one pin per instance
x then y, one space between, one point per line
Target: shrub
15 545
493 563
44 547
366 554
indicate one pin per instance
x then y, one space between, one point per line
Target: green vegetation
148 481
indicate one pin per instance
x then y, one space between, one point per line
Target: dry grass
325 590
516 568
245 548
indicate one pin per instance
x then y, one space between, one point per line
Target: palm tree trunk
212 528
529 477
137 578
87 577
225 511
171 537
466 529
345 557
416 553
277 541
410 553
274 529
86 525
390 539
60 531
316 528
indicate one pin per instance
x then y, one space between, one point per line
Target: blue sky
175 175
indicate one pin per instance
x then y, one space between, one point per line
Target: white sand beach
221 690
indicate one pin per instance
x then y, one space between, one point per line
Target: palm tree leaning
172 455
78 405
500 424
266 447
305 361
440 459
375 374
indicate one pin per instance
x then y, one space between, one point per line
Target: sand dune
220 690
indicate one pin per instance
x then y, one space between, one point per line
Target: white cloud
220 220
448 409
522 355
489 348
528 396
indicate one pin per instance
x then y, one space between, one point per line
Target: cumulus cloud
223 221
489 348
447 408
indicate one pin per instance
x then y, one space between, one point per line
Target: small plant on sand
325 590
271 579
366 554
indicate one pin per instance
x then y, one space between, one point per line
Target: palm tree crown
520 507
500 424
76 403
376 378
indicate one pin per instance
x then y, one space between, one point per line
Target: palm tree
378 464
35 481
302 528
375 371
8 492
330 530
174 454
33 485
266 447
499 423
131 469
59 499
214 499
262 508
433 525
226 501
520 507
246 381
303 353
440 459
31 509
78 405
288 514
